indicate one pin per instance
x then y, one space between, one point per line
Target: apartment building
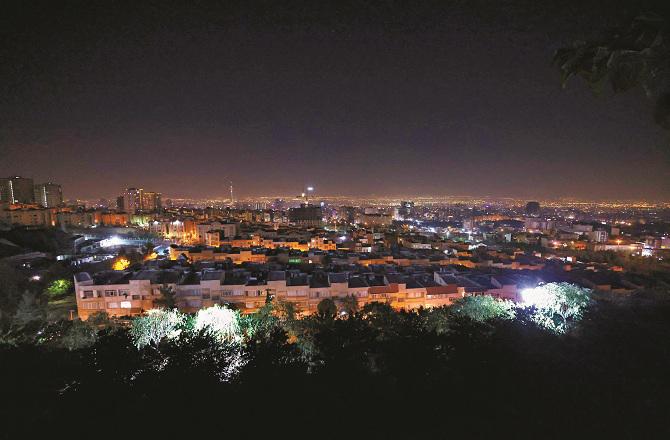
195 255
124 293
27 215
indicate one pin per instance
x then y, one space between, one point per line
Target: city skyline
457 211
407 196
450 101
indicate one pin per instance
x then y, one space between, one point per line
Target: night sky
358 98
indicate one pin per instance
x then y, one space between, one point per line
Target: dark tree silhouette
637 54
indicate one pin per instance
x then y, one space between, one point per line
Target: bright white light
219 320
35 278
538 297
310 188
111 242
156 325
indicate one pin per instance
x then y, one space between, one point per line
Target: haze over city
357 99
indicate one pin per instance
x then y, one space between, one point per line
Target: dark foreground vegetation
468 371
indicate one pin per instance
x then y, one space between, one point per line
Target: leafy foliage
557 306
156 325
10 293
58 288
483 308
81 334
29 312
327 308
636 55
375 359
168 298
221 322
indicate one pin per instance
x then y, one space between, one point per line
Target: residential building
17 189
532 209
306 215
48 195
28 215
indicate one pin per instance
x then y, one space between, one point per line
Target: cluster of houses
246 286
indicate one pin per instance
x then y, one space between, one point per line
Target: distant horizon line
405 197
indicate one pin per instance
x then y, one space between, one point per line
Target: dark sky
357 98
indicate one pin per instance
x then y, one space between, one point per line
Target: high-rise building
17 189
151 201
348 213
533 209
132 200
48 195
306 215
136 199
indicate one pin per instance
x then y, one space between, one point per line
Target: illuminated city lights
121 264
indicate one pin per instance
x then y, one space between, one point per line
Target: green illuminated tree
557 306
59 287
155 326
483 308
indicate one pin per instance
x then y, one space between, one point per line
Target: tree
327 309
222 322
156 325
9 292
483 308
59 287
81 334
168 299
101 319
635 55
556 306
286 311
348 305
28 314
